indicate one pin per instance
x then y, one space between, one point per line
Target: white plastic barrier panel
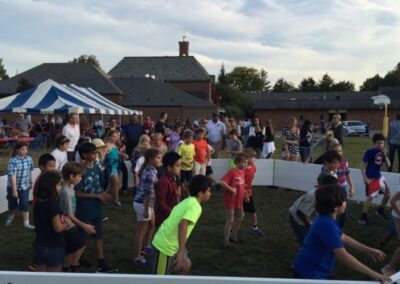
285 174
12 277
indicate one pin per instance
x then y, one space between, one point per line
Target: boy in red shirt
233 184
248 202
168 187
201 150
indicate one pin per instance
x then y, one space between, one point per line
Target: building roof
80 74
319 100
150 92
166 68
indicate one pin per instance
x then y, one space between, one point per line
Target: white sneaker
9 222
29 227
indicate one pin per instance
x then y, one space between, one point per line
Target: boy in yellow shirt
187 152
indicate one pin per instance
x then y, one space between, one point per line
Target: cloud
349 39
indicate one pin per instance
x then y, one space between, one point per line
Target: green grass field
254 257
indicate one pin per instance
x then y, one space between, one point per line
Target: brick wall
202 90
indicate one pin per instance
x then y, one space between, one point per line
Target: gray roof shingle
80 74
319 100
166 68
150 92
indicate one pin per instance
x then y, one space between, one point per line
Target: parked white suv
354 127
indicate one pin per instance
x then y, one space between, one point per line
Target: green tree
326 83
372 84
308 85
248 79
3 72
23 85
392 78
283 86
343 86
84 58
222 75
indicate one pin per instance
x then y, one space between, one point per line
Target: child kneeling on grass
170 240
325 241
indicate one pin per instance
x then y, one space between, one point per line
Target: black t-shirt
160 127
43 213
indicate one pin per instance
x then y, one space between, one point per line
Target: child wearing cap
90 197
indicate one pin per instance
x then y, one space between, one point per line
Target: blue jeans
392 151
304 153
49 256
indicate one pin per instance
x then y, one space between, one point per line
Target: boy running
375 182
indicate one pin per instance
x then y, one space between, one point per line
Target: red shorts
377 186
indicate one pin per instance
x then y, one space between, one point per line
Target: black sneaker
84 263
381 213
363 221
104 268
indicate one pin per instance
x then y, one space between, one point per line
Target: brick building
183 72
317 106
153 97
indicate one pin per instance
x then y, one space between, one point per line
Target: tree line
232 86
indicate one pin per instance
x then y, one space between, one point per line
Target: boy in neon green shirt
170 240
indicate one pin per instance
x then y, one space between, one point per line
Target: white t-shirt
215 131
306 204
61 158
139 164
72 133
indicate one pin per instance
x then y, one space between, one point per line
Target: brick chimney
184 47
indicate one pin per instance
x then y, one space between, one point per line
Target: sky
294 39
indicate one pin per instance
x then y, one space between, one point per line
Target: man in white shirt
72 132
216 132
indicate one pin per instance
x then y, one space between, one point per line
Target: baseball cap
99 143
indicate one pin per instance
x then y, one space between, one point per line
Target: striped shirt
21 168
394 133
291 136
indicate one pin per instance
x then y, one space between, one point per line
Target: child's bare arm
351 185
393 202
363 166
102 196
353 263
180 255
227 187
86 227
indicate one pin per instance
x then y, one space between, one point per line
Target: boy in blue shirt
90 197
325 241
374 181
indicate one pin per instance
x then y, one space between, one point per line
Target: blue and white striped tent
52 97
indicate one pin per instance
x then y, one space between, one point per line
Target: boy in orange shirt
233 184
248 202
201 150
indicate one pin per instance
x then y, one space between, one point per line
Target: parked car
354 127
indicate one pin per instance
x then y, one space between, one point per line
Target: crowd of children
172 179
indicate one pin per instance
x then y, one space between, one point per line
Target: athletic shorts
209 170
22 202
49 256
98 225
377 186
186 176
249 207
139 210
164 264
73 240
